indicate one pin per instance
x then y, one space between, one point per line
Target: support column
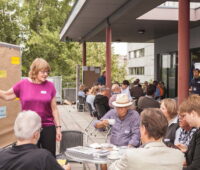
183 49
84 53
108 55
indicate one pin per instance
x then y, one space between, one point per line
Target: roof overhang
130 20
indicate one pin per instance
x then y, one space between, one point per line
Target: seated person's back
148 101
25 155
101 102
136 91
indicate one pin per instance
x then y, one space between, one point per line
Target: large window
131 54
136 70
136 53
139 53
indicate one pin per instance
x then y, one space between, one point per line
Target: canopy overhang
129 20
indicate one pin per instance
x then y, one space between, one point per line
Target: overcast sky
120 48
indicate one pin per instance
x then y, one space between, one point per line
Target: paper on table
82 149
95 145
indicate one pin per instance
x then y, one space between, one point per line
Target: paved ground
71 119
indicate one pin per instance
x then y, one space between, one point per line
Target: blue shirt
124 132
102 80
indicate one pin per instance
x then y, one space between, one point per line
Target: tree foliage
35 26
96 57
9 28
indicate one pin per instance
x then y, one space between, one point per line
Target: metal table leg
98 167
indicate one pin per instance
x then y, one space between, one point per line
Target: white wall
147 61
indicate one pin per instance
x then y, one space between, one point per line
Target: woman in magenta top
36 93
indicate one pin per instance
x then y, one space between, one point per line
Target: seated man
148 101
125 89
25 155
125 131
185 133
101 102
136 90
153 155
115 91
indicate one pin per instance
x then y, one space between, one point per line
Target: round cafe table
87 158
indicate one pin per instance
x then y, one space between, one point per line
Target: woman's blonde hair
171 106
93 90
37 65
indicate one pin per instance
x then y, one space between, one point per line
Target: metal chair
81 103
70 138
90 128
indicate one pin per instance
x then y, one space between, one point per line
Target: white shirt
127 91
90 99
174 120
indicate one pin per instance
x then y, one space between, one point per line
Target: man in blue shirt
195 82
125 130
102 79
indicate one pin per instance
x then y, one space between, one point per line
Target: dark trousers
48 139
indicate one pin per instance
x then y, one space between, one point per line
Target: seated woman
169 109
153 154
91 96
191 107
81 91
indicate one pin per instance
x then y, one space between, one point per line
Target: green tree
96 57
9 28
42 22
35 26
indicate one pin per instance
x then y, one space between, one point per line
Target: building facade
140 61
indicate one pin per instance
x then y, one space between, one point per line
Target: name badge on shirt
126 131
43 92
166 140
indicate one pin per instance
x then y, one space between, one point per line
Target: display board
90 75
10 73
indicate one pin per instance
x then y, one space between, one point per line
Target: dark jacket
193 153
136 92
170 134
146 102
27 157
195 85
102 80
101 105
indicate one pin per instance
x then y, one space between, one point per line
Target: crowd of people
159 134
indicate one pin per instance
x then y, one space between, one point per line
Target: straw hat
122 100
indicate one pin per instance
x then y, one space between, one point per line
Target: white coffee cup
111 121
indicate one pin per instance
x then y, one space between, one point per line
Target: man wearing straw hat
124 121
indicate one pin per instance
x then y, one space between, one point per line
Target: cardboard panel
90 75
10 73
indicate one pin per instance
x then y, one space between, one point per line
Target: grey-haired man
25 155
